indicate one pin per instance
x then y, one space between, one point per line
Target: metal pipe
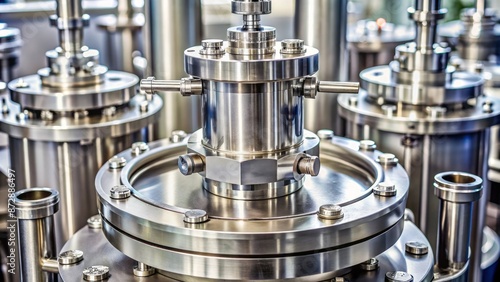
35 209
323 24
337 87
456 191
426 29
70 25
151 85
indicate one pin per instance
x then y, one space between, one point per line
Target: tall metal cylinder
35 209
323 25
456 192
171 27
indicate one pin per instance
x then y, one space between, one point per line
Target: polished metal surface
100 252
35 209
322 24
172 27
157 200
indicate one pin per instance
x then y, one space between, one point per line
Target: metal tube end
36 203
458 187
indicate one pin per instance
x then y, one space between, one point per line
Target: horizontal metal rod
337 87
151 85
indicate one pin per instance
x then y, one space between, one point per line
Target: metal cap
416 248
70 257
195 216
458 187
36 203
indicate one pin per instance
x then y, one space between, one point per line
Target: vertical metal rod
426 31
481 6
35 209
70 13
125 9
456 191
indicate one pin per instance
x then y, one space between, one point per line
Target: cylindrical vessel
35 209
171 27
323 24
456 192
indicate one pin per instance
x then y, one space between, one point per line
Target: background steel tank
432 117
70 118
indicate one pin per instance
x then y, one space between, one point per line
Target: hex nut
367 145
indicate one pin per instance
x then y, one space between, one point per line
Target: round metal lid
152 221
255 68
116 89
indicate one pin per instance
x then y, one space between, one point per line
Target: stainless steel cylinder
323 24
171 27
35 209
70 23
456 192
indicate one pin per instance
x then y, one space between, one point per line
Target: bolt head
120 192
387 159
117 162
353 101
330 211
94 222
139 148
369 265
325 134
292 46
177 136
96 273
367 145
416 248
144 272
70 257
195 216
398 276
212 47
385 189
21 84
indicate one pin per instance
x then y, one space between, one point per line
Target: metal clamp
187 86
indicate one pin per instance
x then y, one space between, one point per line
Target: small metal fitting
387 159
70 257
109 111
435 112
191 163
191 86
144 106
195 216
325 134
416 248
177 136
307 164
117 162
339 279
487 107
309 87
398 276
94 222
370 265
46 115
21 84
385 189
139 148
292 46
214 47
96 273
330 211
367 145
119 192
5 107
143 270
24 115
389 110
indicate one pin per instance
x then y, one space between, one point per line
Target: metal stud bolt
369 265
416 248
367 145
330 211
143 270
385 189
398 276
94 222
70 257
139 148
387 159
195 216
117 162
119 192
96 273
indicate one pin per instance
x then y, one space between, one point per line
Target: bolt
387 159
139 148
435 112
177 136
109 111
307 164
339 279
292 46
24 115
119 192
388 110
325 134
21 84
70 257
398 276
94 222
195 216
80 114
416 248
191 163
385 189
212 47
5 107
96 273
144 106
353 101
370 264
117 162
47 115
487 107
143 270
367 145
330 211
